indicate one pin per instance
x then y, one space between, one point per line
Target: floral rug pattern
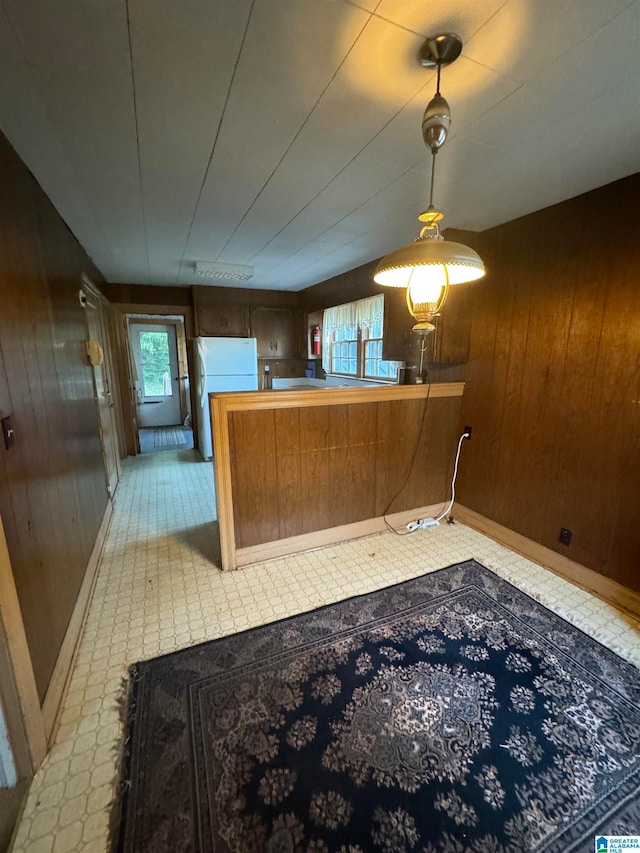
448 713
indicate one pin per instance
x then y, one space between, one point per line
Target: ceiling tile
286 133
94 121
463 17
180 110
28 127
368 5
269 104
525 36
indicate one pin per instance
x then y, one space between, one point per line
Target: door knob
8 431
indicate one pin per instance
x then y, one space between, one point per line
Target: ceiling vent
226 271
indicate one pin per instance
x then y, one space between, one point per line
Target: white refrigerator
222 364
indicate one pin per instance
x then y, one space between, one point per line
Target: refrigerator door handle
202 381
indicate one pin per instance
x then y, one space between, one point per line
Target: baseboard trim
51 706
331 536
609 590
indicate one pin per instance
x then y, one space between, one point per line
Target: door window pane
156 368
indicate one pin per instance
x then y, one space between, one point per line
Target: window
375 367
344 351
353 341
156 367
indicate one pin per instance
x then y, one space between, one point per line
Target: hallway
158 589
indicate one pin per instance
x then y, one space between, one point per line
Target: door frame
121 312
182 319
134 331
95 300
18 692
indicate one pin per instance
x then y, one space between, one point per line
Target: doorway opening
159 369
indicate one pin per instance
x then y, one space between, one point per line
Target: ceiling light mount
440 50
429 265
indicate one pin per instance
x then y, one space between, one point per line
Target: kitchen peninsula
298 469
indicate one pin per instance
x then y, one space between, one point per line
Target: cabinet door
286 332
398 342
262 330
449 344
276 330
224 320
453 328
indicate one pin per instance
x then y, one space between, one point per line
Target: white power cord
434 522
453 479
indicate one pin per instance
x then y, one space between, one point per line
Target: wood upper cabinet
397 340
277 331
223 319
449 344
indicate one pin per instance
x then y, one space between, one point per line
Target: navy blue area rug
448 713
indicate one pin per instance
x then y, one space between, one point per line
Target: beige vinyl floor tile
158 589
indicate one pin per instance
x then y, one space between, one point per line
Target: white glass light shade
426 283
431 260
427 268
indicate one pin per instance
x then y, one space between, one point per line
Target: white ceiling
285 134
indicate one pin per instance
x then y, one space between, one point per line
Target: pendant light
430 265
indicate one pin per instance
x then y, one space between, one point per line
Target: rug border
131 688
129 696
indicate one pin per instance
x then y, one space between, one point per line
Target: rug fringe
126 704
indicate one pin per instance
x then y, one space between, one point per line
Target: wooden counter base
331 536
301 469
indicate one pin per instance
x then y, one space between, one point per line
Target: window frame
361 340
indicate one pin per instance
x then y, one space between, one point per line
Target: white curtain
365 315
338 317
370 312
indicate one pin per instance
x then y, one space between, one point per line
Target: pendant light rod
433 143
429 266
433 175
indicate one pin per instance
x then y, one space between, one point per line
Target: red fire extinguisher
315 340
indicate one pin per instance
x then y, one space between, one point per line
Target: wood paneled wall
145 295
553 390
52 484
215 295
354 284
302 469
